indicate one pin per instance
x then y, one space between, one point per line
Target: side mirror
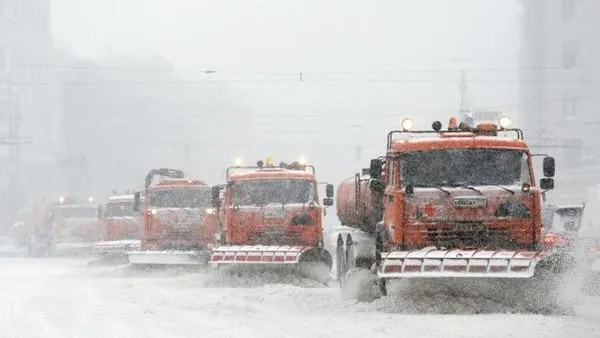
216 197
549 166
377 187
218 237
376 168
137 201
328 202
329 190
547 183
410 190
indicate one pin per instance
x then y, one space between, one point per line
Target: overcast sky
347 114
293 35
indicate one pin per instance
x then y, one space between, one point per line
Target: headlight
408 124
504 121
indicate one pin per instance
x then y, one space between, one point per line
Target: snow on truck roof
412 142
457 135
121 198
178 183
76 206
272 173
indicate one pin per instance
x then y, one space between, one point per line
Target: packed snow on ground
65 298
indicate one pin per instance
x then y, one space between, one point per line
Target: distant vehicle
65 226
123 228
179 223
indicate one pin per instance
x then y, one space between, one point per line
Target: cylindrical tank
354 204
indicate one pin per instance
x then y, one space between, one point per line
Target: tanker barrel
355 204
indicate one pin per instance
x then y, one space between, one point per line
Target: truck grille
277 236
469 236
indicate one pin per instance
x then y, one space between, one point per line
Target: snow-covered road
65 298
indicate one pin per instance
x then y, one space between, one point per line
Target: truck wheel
380 244
341 264
382 283
350 261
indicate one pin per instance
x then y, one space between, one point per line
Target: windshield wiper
499 186
504 188
434 185
465 186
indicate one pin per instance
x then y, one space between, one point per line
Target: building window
571 54
568 9
570 103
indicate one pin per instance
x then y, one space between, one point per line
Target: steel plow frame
168 257
434 263
258 254
109 247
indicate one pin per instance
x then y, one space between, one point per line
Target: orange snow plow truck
459 207
179 221
123 228
64 227
273 219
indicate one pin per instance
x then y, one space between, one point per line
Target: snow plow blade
113 251
433 263
110 247
258 254
74 249
194 257
313 263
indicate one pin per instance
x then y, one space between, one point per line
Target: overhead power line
305 80
288 73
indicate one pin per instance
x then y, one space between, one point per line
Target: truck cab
122 222
268 205
467 189
272 216
178 215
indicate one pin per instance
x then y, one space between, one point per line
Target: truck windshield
122 209
262 192
470 166
75 212
180 198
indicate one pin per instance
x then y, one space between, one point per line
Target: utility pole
13 140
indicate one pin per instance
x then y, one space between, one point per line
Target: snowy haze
367 65
194 84
293 35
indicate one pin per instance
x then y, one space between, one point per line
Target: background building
123 117
29 105
560 89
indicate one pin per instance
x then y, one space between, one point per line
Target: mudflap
191 258
527 281
309 262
